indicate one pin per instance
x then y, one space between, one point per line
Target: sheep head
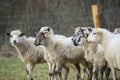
15 37
81 32
116 31
95 35
43 34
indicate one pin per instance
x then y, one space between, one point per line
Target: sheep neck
90 50
49 43
84 43
22 47
87 45
106 37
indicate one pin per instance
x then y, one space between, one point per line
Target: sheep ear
90 29
83 28
48 29
97 31
39 28
22 34
8 34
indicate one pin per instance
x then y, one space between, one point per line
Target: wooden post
95 16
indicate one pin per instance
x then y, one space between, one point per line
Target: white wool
111 44
64 40
116 31
65 46
94 53
16 32
63 50
27 51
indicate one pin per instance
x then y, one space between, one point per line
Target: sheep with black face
94 53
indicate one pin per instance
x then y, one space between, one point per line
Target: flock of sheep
97 49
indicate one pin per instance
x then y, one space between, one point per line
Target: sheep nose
15 41
36 43
75 43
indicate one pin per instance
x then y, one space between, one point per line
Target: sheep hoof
50 74
30 78
78 78
55 72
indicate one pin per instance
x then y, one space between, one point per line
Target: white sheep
62 49
111 44
27 51
94 53
116 30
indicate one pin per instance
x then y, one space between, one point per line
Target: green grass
14 69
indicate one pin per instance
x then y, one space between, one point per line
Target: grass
14 69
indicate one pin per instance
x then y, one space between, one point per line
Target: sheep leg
90 74
29 68
107 73
95 72
54 77
113 73
95 75
66 72
50 71
60 74
101 72
77 66
58 70
84 74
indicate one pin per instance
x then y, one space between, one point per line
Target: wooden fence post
95 16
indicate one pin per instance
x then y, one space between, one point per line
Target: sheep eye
42 35
45 30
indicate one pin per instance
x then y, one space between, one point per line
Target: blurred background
30 15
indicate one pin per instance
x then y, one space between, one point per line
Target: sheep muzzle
39 38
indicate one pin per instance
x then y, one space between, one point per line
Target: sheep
78 31
62 50
93 51
27 51
110 42
116 31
